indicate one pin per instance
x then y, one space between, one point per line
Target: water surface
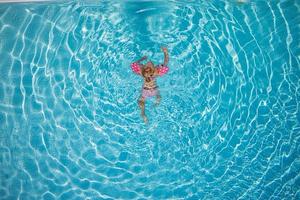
227 126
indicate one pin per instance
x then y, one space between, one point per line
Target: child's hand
164 49
142 59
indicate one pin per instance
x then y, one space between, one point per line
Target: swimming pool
227 126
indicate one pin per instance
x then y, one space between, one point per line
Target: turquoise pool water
227 126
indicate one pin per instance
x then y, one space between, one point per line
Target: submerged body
149 72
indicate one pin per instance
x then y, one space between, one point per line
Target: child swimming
149 73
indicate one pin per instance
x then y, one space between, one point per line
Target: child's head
149 64
148 70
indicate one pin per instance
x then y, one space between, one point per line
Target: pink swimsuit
162 69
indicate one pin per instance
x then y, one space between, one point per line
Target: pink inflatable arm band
136 68
162 69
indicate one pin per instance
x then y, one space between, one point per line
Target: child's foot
145 119
157 101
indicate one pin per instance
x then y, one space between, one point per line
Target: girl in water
149 72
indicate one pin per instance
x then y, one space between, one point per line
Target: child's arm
163 68
166 55
140 60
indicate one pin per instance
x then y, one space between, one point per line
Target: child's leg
158 97
141 103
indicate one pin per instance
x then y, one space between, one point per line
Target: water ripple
227 126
